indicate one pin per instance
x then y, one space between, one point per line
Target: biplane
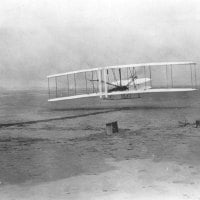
123 81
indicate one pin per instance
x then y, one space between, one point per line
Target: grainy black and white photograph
99 99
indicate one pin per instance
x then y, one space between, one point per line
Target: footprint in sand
183 182
194 173
186 196
142 171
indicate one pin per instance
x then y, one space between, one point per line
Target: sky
42 37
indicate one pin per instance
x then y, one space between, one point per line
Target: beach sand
152 157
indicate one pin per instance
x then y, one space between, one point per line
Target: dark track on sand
55 119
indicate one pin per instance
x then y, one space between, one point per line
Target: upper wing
124 66
157 64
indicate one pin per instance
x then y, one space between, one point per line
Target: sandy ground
152 157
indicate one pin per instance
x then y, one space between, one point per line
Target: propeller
132 77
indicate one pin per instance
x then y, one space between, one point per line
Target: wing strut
105 84
56 86
48 89
195 75
191 75
68 84
145 77
86 83
75 84
172 76
92 83
166 75
100 83
120 77
150 75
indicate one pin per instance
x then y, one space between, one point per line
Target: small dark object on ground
197 123
183 124
112 128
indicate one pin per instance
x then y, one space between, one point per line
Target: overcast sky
41 37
